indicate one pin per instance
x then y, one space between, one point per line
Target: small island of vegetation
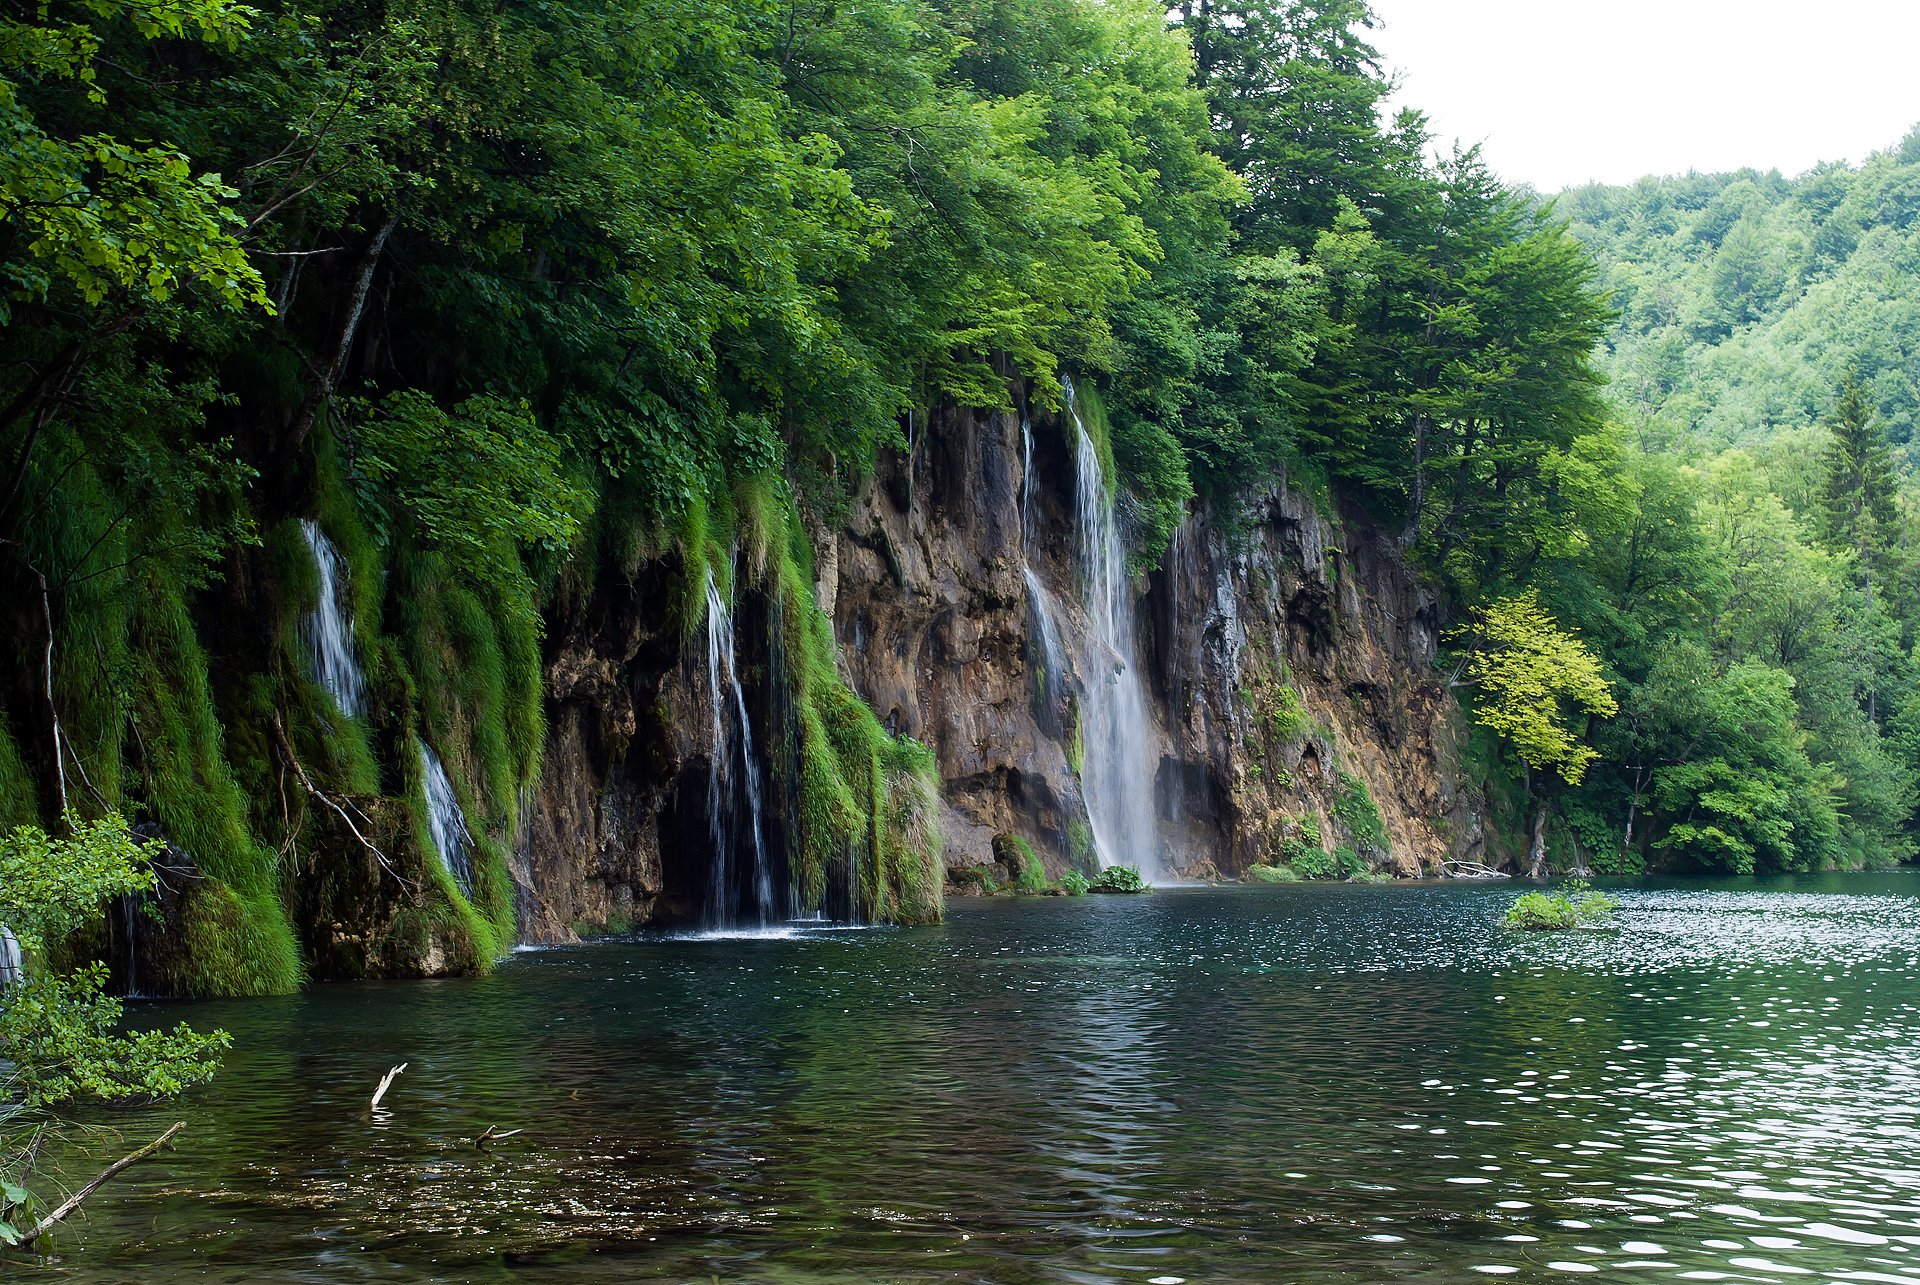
1578 905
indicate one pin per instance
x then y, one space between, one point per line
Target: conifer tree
1858 506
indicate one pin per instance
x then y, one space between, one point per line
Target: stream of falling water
733 786
327 630
446 821
1115 735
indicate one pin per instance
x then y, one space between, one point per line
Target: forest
511 303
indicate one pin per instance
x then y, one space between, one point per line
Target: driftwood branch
386 1082
494 1133
72 1202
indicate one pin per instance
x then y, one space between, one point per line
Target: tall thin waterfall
734 792
1179 570
448 824
1046 616
327 630
12 969
1116 737
1026 480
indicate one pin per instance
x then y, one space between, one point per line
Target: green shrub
1286 716
1577 906
1355 808
1307 860
1271 874
1018 856
1074 884
1118 879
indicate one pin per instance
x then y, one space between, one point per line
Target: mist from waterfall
446 821
735 816
326 632
1116 735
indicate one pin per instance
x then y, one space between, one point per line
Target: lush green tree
58 1036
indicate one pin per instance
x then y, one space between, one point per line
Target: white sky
1560 92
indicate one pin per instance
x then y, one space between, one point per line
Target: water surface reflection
1299 1083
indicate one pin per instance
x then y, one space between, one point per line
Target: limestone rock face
622 717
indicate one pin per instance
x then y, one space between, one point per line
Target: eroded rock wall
927 583
926 578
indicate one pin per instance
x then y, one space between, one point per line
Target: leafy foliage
57 1028
1118 879
1537 676
1575 906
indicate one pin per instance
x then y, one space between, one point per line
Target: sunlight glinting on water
1307 1083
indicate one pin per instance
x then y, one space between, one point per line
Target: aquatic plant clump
1118 879
1577 906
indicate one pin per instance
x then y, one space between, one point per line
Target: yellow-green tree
1539 683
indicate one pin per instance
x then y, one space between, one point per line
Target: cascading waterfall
12 968
1026 480
1046 617
446 821
327 630
1116 736
1179 554
734 791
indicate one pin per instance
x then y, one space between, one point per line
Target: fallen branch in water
72 1202
386 1082
493 1134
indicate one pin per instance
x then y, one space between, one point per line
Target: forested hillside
1762 369
513 303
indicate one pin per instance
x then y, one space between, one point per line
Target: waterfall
446 821
1046 616
1026 478
327 630
1178 572
12 968
1116 737
734 791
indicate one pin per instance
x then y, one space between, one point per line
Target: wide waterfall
447 822
735 818
1116 736
327 630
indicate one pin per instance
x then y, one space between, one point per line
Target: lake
1301 1083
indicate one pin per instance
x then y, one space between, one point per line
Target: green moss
238 939
1355 808
1271 874
863 799
1081 854
1017 855
19 794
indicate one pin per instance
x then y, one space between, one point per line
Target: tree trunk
1537 842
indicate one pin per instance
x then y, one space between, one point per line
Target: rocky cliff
1286 656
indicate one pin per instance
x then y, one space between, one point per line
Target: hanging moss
863 799
18 792
1355 807
237 937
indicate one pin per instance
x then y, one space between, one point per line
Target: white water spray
1116 736
733 785
327 630
446 821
